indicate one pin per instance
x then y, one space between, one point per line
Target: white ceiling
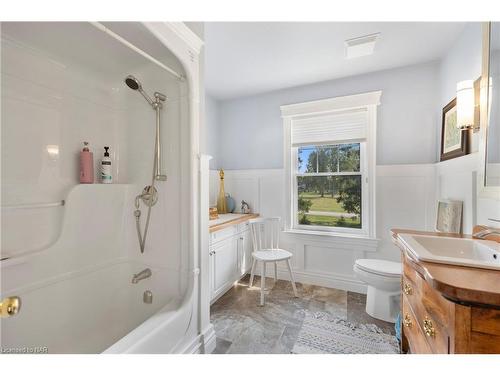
246 58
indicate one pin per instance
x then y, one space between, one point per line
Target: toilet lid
382 267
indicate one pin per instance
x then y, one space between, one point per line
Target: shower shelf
33 205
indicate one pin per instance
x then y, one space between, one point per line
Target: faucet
482 234
144 274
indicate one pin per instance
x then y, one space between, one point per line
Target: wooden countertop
457 283
238 220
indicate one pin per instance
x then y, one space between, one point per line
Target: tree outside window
329 185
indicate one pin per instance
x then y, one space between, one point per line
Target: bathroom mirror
489 147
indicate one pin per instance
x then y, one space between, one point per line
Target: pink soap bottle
86 165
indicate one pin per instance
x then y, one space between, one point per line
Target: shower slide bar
126 43
33 205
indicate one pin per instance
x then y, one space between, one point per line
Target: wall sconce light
465 104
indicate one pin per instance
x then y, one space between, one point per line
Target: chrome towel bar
33 205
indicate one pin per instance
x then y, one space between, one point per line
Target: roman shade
330 128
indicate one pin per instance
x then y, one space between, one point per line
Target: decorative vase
221 200
230 203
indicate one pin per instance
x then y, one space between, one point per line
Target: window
329 186
329 162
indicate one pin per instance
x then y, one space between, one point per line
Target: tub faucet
144 274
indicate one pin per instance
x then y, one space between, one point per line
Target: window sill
365 242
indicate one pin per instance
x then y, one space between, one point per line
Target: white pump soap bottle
106 169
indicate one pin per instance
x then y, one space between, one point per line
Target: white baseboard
221 293
209 339
224 290
194 347
204 343
321 279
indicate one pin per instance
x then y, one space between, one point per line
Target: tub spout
144 274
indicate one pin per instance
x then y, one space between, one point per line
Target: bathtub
78 297
98 310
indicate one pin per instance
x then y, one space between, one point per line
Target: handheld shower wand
157 105
149 195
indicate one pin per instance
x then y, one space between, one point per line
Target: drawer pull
407 321
429 327
407 289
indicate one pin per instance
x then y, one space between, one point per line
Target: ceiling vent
361 46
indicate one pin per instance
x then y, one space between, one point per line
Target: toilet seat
380 267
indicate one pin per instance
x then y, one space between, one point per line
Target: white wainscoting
457 179
405 199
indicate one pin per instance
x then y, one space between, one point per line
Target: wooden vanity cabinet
434 324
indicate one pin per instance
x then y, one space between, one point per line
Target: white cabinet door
244 253
211 273
225 259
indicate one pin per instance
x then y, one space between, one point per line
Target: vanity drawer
223 233
410 290
243 226
435 332
420 292
431 310
412 275
411 329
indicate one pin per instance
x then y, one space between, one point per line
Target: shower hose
137 213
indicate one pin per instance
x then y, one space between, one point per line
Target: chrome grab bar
33 205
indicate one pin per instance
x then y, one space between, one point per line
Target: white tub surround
62 84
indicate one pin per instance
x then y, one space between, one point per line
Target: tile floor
242 326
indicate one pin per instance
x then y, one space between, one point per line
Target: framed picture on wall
454 142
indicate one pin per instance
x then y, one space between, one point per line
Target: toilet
383 278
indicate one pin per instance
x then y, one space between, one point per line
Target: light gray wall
197 27
251 134
462 62
212 130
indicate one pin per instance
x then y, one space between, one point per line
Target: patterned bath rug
322 333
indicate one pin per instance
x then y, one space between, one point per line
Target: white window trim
368 101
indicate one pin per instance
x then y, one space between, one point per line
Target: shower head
134 84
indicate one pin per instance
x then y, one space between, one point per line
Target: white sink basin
456 251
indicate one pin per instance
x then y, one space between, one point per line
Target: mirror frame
484 191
